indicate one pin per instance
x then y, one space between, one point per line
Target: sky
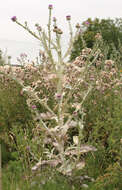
15 40
36 11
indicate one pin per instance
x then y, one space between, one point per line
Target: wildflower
50 6
14 18
87 23
33 107
68 17
58 96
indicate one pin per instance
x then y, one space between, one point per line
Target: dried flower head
98 36
109 62
77 25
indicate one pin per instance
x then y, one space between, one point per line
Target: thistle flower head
50 6
68 17
58 96
14 18
33 107
87 23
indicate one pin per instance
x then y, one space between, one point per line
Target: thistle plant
60 89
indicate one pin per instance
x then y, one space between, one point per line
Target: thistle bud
54 19
55 29
77 25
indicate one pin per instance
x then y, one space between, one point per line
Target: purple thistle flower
58 96
50 6
87 23
33 107
68 17
28 148
14 18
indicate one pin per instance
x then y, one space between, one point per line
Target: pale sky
35 11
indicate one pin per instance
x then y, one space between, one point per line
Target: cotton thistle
59 132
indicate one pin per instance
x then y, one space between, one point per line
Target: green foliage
77 47
13 112
111 180
111 32
103 130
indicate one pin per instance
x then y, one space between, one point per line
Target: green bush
111 32
13 112
103 130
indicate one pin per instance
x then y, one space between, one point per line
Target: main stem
0 169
